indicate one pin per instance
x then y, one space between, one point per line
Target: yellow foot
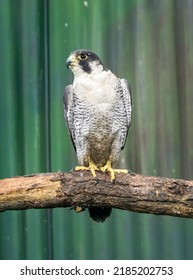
126 171
107 168
92 168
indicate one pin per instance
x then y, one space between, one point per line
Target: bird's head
84 62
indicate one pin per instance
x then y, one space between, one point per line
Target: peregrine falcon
97 110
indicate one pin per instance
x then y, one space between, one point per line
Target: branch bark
79 190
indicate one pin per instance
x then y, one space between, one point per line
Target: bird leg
107 168
92 168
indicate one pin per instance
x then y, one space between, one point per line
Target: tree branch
132 192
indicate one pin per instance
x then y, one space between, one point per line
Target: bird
97 111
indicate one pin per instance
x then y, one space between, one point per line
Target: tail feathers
99 215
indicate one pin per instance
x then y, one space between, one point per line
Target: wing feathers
68 112
127 99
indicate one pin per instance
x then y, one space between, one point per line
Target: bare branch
132 192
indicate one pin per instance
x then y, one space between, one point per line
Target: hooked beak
68 62
71 61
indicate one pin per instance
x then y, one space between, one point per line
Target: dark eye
82 56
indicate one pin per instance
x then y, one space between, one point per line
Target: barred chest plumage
98 101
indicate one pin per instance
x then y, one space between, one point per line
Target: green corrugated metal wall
149 42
